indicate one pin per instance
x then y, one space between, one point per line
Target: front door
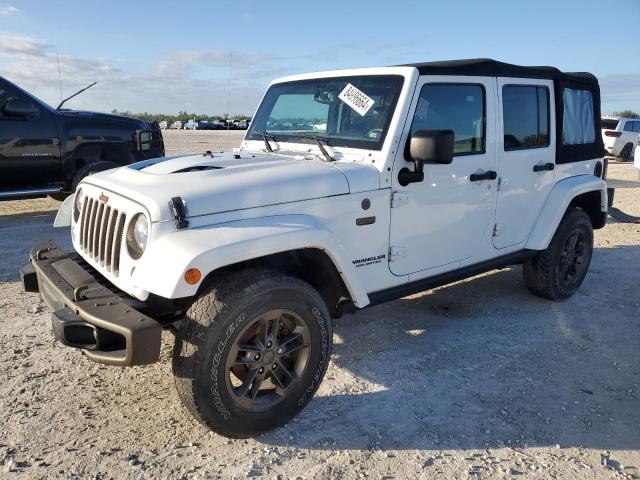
526 156
445 217
29 145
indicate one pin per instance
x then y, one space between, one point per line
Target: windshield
344 112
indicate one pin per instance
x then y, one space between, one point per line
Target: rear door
446 216
526 156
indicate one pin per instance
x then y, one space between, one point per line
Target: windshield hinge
396 253
399 198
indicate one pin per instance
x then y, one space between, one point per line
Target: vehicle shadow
19 233
482 364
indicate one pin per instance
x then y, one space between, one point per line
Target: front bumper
87 314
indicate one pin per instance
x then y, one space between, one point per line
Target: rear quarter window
577 122
607 124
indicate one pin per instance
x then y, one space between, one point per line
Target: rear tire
251 351
557 272
626 152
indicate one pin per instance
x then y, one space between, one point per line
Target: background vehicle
378 183
177 125
48 151
163 125
636 161
620 136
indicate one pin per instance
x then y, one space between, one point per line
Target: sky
165 56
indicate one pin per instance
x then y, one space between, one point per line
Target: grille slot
101 231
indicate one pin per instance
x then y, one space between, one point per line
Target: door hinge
497 229
399 198
396 253
499 187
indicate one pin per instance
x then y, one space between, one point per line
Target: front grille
101 231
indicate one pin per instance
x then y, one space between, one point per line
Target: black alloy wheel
267 359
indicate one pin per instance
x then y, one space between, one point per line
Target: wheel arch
311 265
297 244
586 192
95 151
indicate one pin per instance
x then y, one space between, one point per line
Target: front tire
89 169
557 272
251 352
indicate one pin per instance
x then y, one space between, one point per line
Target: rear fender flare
557 203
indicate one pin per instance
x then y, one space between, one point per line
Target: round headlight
77 204
137 235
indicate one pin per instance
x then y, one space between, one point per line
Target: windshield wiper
319 141
266 136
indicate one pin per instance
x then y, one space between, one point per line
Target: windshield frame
297 136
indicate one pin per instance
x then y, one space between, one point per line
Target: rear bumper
87 315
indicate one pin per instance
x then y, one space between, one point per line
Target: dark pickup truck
47 151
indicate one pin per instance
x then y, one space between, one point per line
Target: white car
351 188
636 158
620 136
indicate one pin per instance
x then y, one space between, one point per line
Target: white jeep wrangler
351 188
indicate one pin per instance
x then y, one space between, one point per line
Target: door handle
488 175
544 167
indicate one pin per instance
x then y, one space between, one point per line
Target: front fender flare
161 269
557 203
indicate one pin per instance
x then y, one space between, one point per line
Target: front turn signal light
192 276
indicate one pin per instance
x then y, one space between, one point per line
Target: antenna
229 103
59 74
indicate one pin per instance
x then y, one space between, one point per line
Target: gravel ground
474 380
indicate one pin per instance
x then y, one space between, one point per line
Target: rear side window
608 124
632 126
525 116
577 121
458 107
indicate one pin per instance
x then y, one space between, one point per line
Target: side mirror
18 107
426 146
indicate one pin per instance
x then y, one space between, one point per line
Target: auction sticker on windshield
356 99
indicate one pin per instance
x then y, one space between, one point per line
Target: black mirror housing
431 146
18 107
426 146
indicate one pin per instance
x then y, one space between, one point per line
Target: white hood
220 183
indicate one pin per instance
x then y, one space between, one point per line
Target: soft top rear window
608 124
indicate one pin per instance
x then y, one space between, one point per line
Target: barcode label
356 99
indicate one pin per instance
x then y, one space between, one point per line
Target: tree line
626 114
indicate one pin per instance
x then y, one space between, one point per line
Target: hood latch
179 211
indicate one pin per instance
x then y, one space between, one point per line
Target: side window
525 114
577 121
636 126
458 107
628 126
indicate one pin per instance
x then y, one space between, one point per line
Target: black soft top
486 67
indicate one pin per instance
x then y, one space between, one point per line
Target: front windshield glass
343 112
